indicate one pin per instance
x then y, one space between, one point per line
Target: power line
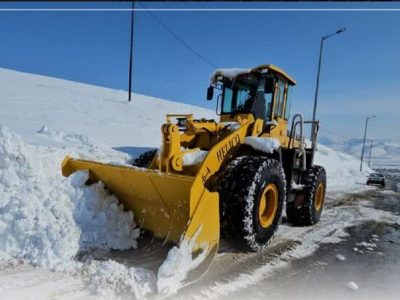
179 39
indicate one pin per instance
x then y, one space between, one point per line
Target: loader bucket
173 207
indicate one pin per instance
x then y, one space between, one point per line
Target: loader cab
246 95
263 92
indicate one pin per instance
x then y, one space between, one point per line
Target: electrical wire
178 38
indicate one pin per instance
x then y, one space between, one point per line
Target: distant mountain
385 152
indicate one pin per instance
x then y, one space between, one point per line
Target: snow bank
47 219
343 170
267 145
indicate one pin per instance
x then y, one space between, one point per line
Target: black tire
144 160
308 211
242 185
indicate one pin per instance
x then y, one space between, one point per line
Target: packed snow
194 157
177 265
109 279
296 187
232 126
229 73
266 145
47 220
340 257
352 286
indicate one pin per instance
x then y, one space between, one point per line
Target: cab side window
288 102
279 99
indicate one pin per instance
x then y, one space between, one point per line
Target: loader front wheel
308 210
144 160
252 193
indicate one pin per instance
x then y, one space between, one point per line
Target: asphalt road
365 264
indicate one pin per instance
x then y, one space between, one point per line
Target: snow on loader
230 177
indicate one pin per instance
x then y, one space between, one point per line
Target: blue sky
360 72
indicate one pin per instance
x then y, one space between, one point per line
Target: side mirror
210 93
269 85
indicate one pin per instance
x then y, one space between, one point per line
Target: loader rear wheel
308 211
144 160
252 193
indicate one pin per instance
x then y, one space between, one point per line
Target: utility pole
365 135
313 127
370 151
131 52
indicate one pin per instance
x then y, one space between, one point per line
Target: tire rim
268 205
319 198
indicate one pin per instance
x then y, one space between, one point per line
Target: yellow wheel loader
230 177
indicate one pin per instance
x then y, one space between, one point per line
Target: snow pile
111 279
342 170
103 222
266 145
47 219
36 219
194 157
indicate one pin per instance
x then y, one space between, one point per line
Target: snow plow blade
173 207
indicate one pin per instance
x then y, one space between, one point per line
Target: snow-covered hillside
47 219
104 115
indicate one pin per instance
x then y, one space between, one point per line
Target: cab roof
233 73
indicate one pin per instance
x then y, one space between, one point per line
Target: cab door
279 115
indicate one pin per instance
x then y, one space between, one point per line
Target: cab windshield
245 94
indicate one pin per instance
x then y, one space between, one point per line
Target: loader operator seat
259 108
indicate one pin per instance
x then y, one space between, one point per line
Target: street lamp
365 135
313 129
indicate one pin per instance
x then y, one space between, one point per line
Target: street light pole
131 53
370 151
313 128
365 135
